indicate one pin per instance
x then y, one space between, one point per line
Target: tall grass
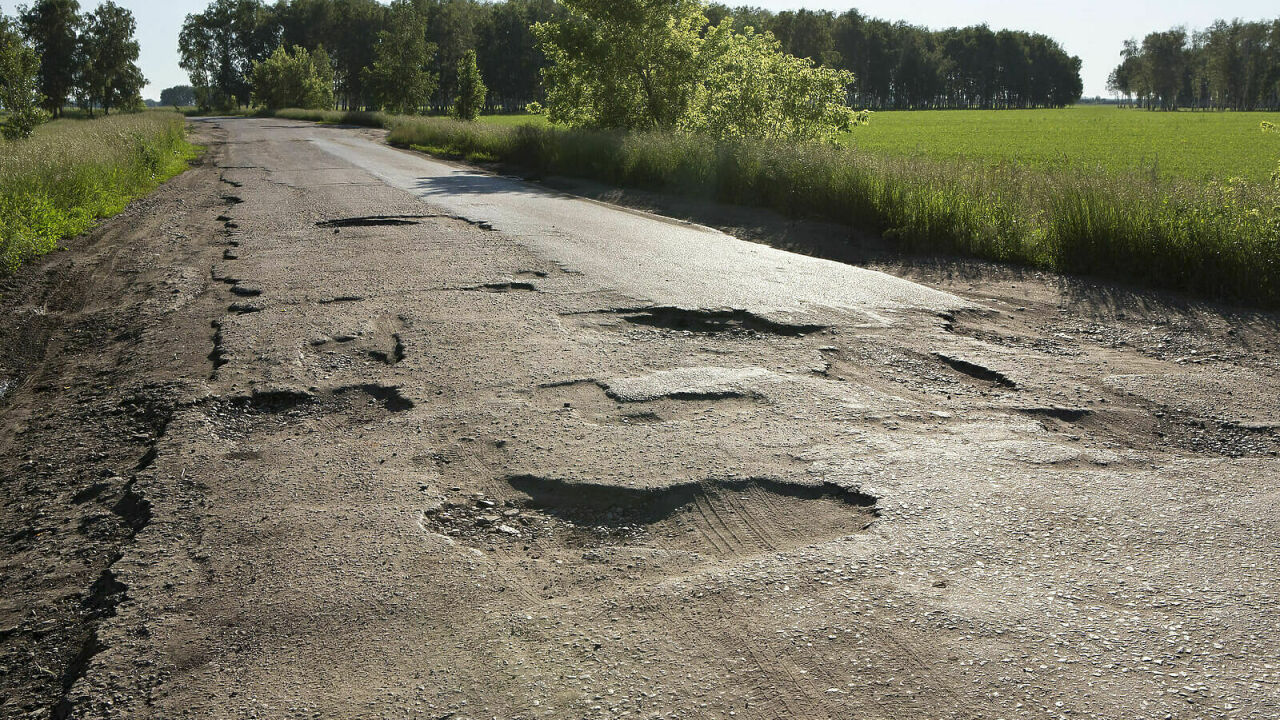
1216 239
70 173
336 117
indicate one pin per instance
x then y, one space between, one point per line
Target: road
326 429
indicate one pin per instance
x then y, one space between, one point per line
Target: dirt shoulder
98 343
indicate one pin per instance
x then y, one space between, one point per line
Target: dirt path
287 441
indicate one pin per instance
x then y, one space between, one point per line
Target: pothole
717 517
1065 414
354 403
373 221
394 357
722 321
586 400
976 371
503 287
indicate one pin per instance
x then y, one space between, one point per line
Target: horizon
1073 26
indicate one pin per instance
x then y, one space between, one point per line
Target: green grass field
1183 145
1194 146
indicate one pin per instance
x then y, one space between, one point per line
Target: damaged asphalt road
324 429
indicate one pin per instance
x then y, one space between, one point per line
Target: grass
1187 145
515 120
1216 238
71 173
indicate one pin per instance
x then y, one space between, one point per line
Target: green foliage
628 64
1229 65
471 89
19 67
298 79
336 117
750 88
52 26
58 182
110 77
219 46
656 64
178 96
400 79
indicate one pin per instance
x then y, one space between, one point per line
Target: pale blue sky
1092 29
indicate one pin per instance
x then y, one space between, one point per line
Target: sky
1093 29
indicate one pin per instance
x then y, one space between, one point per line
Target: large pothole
353 404
720 517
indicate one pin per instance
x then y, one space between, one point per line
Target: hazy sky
1092 29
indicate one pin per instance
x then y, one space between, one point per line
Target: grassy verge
71 173
1216 239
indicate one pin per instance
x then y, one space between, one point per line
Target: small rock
508 530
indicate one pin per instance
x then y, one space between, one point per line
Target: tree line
1227 66
897 66
377 50
403 56
88 58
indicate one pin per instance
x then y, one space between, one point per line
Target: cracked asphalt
325 429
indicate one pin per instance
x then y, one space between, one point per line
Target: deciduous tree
178 96
471 88
110 75
19 84
401 79
293 79
52 26
658 64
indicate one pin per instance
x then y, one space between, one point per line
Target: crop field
1182 145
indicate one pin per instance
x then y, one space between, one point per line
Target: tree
178 96
401 79
219 46
508 52
297 79
753 89
658 64
471 88
1230 65
110 76
347 29
19 83
52 27
451 29
623 63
